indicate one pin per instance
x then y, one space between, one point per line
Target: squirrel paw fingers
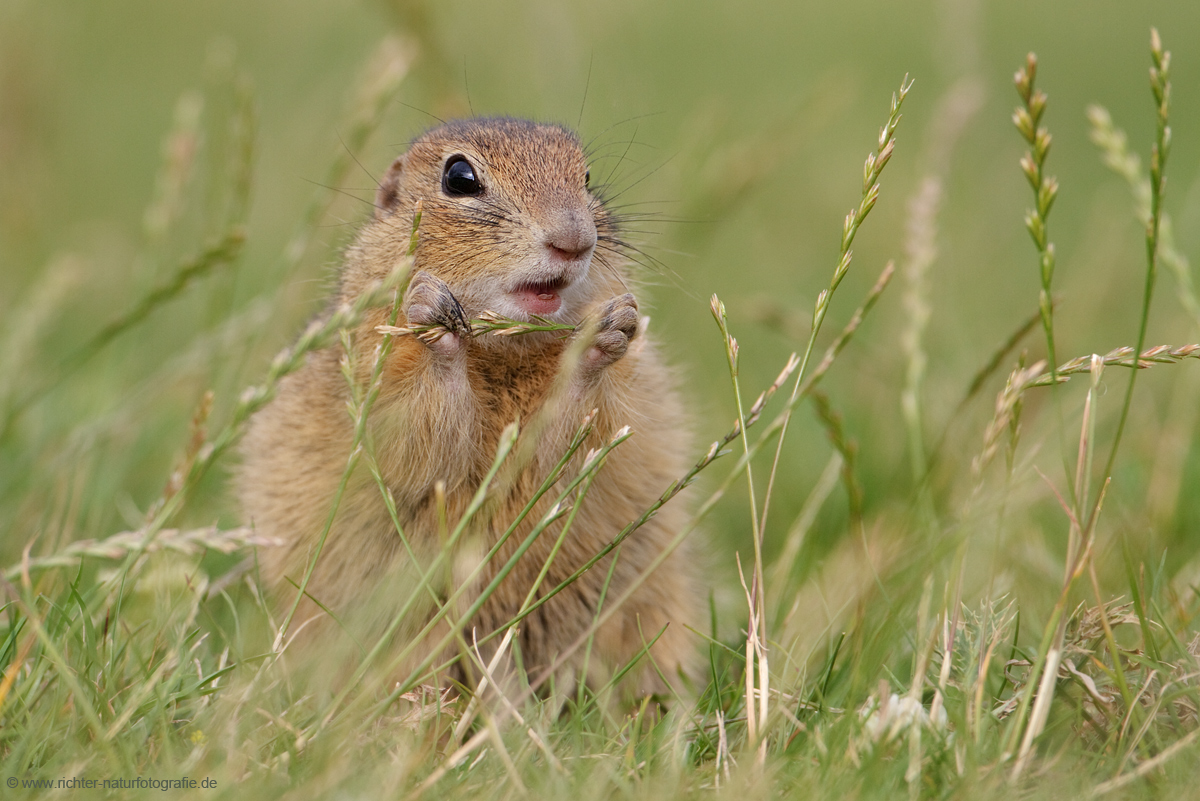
620 314
619 323
429 303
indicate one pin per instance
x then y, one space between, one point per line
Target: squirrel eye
458 178
587 177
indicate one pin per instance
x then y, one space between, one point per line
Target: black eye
458 178
587 177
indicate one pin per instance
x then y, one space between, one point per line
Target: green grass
969 549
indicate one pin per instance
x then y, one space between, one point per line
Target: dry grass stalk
1022 379
488 322
1120 357
1006 405
756 652
1080 540
872 170
188 542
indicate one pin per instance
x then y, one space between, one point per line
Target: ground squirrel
509 225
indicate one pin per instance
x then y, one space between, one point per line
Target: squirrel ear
388 194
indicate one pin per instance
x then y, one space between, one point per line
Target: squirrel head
508 220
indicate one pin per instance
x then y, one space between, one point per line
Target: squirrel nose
573 237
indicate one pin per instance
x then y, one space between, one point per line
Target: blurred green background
741 128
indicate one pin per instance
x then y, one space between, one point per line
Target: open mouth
541 298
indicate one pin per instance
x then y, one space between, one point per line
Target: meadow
954 545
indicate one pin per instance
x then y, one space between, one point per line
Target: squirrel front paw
431 308
618 326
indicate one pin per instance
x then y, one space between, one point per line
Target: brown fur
443 407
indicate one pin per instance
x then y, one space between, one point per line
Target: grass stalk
1027 118
1160 86
359 414
378 85
921 250
222 253
1114 146
756 656
62 669
872 169
1081 537
434 651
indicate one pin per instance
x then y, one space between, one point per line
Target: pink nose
564 254
573 238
